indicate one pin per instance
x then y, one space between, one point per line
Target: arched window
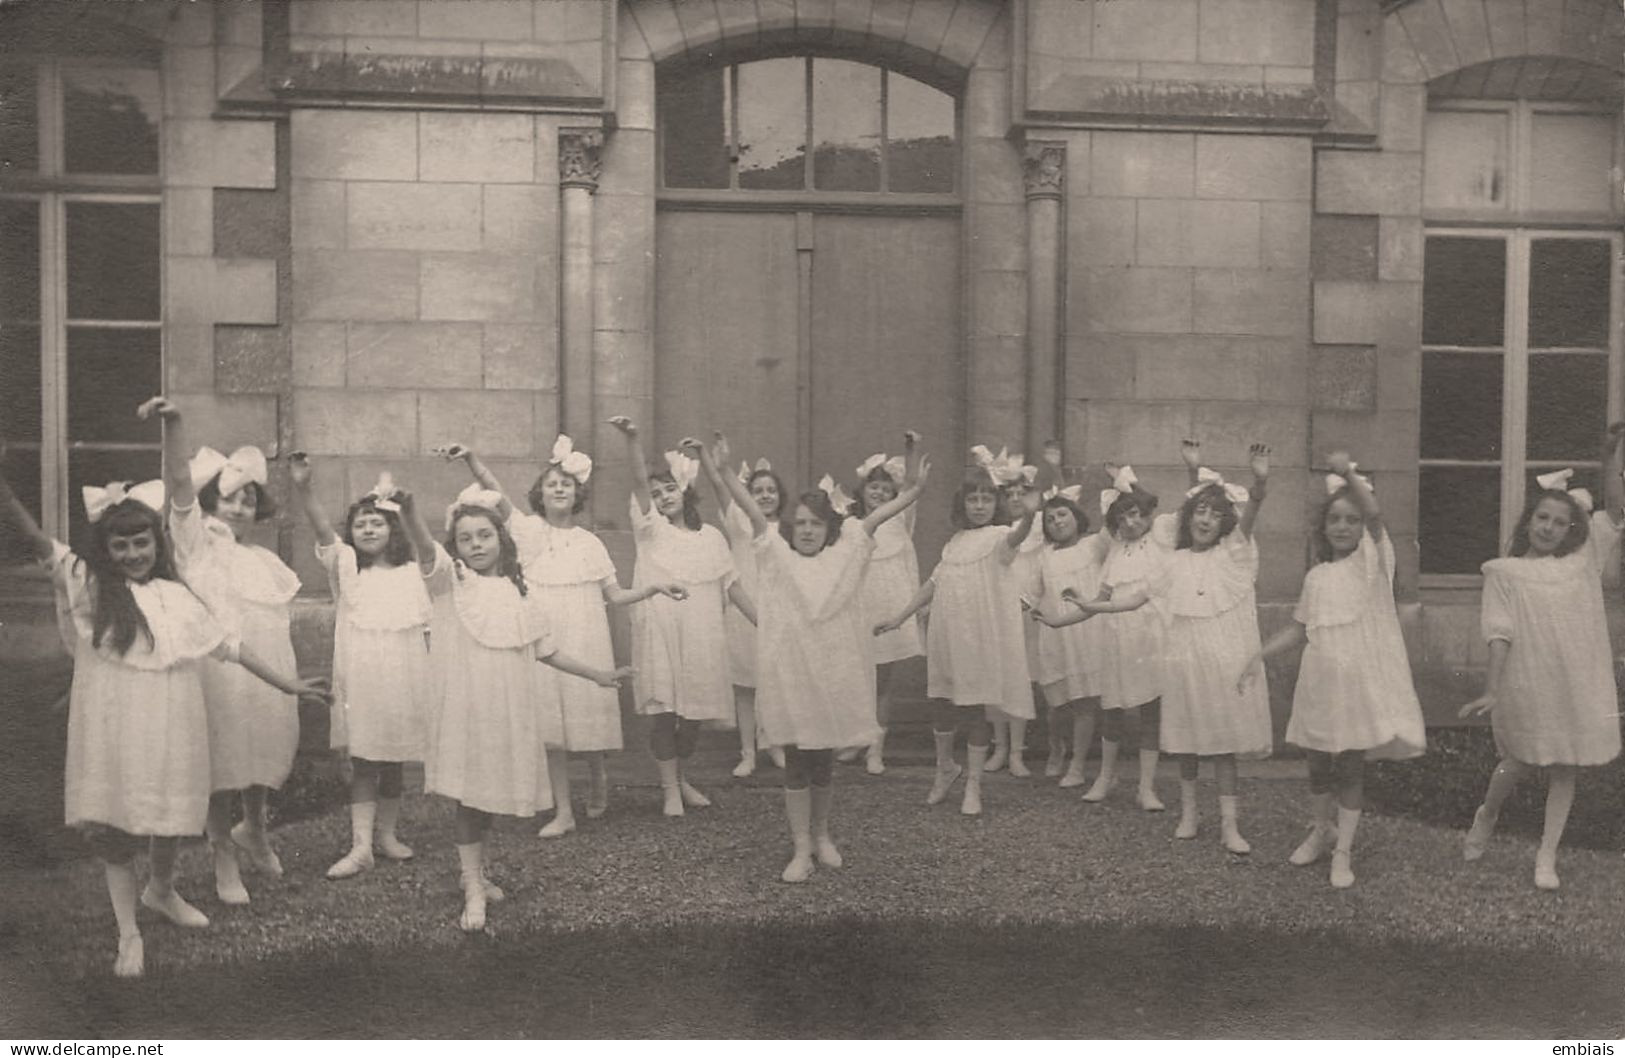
1521 300
806 124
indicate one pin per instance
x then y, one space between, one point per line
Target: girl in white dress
679 646
1550 694
976 662
1354 699
1205 595
1069 650
815 651
487 740
572 579
253 727
766 493
1010 732
892 578
381 691
138 733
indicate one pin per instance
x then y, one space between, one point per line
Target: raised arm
416 529
177 451
1260 462
1613 462
914 484
1359 489
1031 501
481 473
1191 452
299 473
713 460
640 461
14 514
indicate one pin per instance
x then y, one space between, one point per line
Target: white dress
1027 584
1354 687
1208 600
975 648
488 743
1131 642
381 691
741 633
138 731
890 583
1068 658
565 569
1558 703
680 648
253 727
816 685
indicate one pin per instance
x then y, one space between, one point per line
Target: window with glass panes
805 124
80 303
1521 311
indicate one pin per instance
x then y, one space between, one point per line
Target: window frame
52 189
809 196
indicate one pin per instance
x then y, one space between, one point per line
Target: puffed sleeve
70 581
438 579
1603 545
186 532
1165 531
338 558
1495 618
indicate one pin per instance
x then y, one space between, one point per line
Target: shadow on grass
904 979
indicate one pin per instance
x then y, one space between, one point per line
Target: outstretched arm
1613 461
616 595
1031 501
1293 636
741 598
922 599
480 472
640 461
1191 452
417 530
1486 702
314 689
177 470
1340 464
14 514
914 485
1260 454
575 667
727 485
299 473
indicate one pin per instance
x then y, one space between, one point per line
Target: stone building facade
374 226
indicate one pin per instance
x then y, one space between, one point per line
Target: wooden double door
814 339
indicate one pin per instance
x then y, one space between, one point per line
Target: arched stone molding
1428 39
960 46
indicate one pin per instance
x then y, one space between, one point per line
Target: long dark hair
507 551
816 501
1573 540
1213 496
691 501
397 551
117 617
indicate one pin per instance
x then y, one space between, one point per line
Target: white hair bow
838 499
236 470
746 471
684 469
1335 482
382 494
576 464
1123 482
894 467
1206 477
1004 468
97 501
1071 492
474 496
1558 481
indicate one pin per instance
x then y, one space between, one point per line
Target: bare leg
1503 781
745 714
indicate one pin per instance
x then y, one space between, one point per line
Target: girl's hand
922 474
721 451
1259 460
672 591
624 424
1052 454
1041 617
1191 452
1245 680
1071 595
886 626
912 439
404 498
162 407
616 678
1031 500
316 689
453 452
691 447
1483 705
1339 463
346 769
299 469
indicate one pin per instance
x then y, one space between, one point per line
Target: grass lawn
1045 916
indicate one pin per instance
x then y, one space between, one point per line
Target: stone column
580 163
1043 167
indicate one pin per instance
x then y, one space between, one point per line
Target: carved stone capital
580 157
1043 168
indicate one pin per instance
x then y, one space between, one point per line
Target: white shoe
1478 836
827 854
171 906
557 827
745 768
1318 842
1546 871
944 782
353 863
799 869
257 845
692 798
132 957
1342 870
